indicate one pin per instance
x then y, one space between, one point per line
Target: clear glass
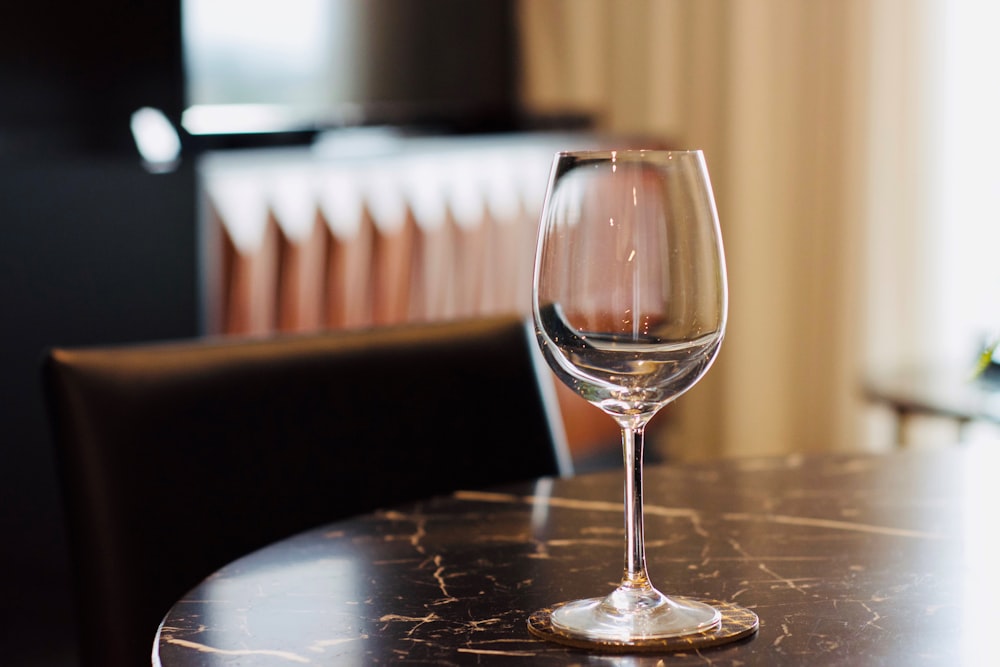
629 300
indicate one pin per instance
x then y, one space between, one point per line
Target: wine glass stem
635 550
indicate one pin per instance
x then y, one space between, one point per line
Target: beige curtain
776 94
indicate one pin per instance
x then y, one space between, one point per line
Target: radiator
366 231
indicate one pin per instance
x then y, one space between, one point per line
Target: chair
178 457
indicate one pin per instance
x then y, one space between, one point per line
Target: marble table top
846 559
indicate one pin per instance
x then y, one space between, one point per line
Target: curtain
777 94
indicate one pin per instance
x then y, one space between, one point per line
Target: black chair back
178 457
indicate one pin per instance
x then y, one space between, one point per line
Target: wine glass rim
628 152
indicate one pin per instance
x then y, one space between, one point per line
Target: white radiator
363 231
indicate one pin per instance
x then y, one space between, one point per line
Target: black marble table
846 559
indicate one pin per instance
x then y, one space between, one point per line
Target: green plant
985 358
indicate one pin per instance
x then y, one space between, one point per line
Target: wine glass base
736 623
652 616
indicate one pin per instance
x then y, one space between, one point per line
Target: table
936 390
847 559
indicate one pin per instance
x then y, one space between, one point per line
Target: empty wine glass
629 301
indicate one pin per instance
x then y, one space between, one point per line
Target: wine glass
629 301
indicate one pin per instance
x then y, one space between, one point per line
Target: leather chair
178 457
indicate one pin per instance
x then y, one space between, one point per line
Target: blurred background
851 144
